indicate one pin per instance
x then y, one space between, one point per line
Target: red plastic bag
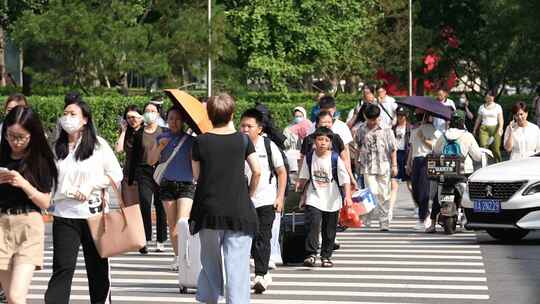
350 216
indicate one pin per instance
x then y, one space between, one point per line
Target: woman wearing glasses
28 175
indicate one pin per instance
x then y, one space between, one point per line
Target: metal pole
209 76
410 50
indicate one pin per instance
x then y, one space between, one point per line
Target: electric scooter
445 172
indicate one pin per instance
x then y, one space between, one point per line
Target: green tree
10 10
282 43
492 47
89 42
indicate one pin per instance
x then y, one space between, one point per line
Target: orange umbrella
194 110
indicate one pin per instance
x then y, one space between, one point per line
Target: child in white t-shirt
326 173
267 198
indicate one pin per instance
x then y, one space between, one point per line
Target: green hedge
107 109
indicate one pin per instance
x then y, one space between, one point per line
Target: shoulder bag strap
268 148
176 149
384 109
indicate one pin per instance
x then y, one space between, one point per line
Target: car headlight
532 189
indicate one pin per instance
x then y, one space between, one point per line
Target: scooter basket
447 167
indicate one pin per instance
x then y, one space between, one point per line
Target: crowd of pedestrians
229 185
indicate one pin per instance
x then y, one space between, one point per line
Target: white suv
504 199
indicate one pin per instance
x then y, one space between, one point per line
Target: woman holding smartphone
522 138
86 165
27 178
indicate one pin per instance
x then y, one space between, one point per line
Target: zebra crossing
401 266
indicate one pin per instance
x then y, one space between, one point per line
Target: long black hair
88 136
133 160
38 166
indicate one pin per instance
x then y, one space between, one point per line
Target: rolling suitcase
189 257
293 238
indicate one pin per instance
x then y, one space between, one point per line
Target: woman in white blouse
521 138
85 163
489 125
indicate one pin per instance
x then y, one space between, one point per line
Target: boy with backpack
326 173
377 160
268 197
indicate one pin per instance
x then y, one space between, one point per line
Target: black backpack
267 147
334 162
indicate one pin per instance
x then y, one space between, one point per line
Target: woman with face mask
86 165
148 189
297 130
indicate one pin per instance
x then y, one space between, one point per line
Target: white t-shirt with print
400 133
490 117
525 141
266 191
325 196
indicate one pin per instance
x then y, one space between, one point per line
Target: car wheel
507 235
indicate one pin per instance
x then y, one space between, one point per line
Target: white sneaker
160 247
251 263
268 279
420 226
427 223
174 265
261 284
271 265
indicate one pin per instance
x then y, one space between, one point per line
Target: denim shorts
172 190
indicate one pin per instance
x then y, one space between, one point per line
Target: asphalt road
401 266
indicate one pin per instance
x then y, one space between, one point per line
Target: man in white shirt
268 197
442 97
388 107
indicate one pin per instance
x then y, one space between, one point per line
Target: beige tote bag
117 231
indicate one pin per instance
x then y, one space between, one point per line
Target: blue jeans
236 248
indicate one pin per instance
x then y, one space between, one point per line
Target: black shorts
171 190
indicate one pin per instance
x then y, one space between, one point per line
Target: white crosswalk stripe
400 266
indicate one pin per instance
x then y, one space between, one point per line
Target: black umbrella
428 104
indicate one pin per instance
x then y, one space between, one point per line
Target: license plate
487 206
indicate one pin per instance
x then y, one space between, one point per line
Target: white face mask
150 117
70 124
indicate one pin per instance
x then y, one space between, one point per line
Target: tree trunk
124 90
308 83
334 82
26 78
2 58
350 86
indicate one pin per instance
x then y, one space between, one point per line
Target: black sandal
325 262
310 261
